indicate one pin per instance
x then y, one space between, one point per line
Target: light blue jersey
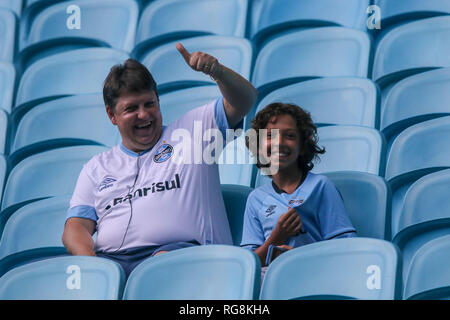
316 200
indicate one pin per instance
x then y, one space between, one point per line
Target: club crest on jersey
163 153
106 183
295 202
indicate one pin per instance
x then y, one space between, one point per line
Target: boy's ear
111 115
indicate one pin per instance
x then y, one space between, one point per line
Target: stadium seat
171 71
417 98
168 20
419 150
235 199
429 277
312 53
74 72
399 11
3 131
275 16
367 200
350 148
106 23
64 278
7 79
3 168
353 268
425 215
67 121
211 272
8 32
13 5
412 48
176 103
46 174
331 101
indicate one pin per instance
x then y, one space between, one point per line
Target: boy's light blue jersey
316 200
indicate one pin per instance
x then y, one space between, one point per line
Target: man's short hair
130 77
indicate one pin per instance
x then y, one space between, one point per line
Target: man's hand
289 224
200 61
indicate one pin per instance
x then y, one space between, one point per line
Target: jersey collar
132 153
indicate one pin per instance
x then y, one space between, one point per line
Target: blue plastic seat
74 72
412 48
235 199
350 148
3 131
429 277
331 101
367 200
46 174
7 79
211 272
275 16
312 53
171 71
13 5
167 20
419 150
417 98
353 268
3 168
394 12
176 103
106 23
8 32
425 215
66 278
73 120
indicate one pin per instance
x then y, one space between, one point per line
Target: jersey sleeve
82 204
221 119
252 233
334 221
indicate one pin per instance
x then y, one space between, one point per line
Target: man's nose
143 113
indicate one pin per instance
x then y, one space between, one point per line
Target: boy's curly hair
306 128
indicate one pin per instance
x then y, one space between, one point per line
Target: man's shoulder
103 157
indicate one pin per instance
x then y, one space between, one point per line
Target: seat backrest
2 175
212 272
235 199
350 148
64 278
7 79
112 22
306 54
411 48
8 32
341 101
3 131
429 275
13 5
171 71
36 225
352 268
47 174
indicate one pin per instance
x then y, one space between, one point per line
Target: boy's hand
289 224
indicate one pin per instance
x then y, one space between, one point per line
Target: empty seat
7 79
353 268
13 5
211 272
425 215
3 131
417 98
367 200
277 15
419 150
73 120
171 71
412 48
47 174
319 52
429 277
406 10
166 20
350 148
37 225
66 278
342 101
8 32
2 175
74 72
176 103
235 199
108 23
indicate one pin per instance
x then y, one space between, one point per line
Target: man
140 201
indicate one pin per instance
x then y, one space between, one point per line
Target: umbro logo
106 183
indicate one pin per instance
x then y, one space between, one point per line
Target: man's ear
111 115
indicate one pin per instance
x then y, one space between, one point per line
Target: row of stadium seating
358 268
